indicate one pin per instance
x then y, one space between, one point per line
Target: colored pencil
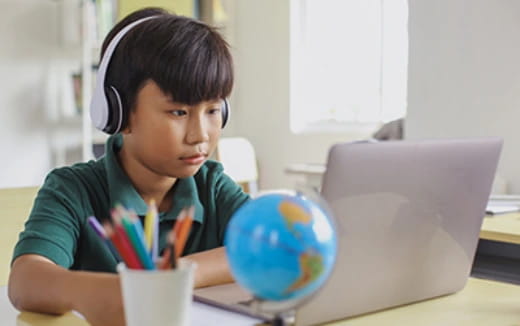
169 260
120 230
118 237
100 231
134 218
155 236
137 242
179 220
149 225
184 231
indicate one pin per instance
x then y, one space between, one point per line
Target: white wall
261 94
464 74
464 80
29 32
27 40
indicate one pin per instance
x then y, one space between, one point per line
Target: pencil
168 260
173 260
179 220
184 231
169 252
121 232
118 238
137 242
134 218
100 231
148 225
155 236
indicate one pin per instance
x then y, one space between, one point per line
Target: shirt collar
122 191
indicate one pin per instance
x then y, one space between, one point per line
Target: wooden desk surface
201 315
481 302
16 205
502 227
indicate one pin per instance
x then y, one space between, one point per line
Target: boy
173 75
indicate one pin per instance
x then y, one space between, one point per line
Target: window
348 63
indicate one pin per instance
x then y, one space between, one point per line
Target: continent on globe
311 266
294 213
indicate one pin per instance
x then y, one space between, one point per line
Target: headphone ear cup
115 110
225 113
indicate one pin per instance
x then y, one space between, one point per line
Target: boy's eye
178 113
214 110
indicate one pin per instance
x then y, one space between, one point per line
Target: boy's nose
197 132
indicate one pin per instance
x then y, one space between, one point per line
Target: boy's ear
127 129
128 126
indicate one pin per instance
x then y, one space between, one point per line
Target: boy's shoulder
83 168
79 174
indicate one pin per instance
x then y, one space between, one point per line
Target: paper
500 209
503 204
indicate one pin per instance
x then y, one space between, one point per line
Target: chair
393 130
16 205
238 158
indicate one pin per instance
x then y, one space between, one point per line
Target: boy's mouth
194 159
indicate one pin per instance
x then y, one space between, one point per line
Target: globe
281 246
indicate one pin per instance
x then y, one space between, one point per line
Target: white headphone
99 106
106 107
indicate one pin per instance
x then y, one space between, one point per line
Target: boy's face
169 138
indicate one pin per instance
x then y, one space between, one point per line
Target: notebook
408 216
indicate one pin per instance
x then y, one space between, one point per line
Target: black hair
187 59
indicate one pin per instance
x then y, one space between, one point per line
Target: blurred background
309 73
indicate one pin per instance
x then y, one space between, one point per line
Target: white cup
157 297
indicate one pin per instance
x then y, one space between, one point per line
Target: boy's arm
212 267
37 284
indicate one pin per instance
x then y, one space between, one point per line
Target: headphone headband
99 106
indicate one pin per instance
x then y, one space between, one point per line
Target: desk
503 227
308 174
16 205
202 315
481 302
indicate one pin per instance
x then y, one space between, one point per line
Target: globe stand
279 313
278 320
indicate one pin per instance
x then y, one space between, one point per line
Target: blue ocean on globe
281 247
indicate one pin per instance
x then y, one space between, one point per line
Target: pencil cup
157 297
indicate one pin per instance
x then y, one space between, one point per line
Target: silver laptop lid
409 215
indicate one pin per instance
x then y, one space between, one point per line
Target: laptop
408 216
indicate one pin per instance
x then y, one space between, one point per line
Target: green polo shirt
57 227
